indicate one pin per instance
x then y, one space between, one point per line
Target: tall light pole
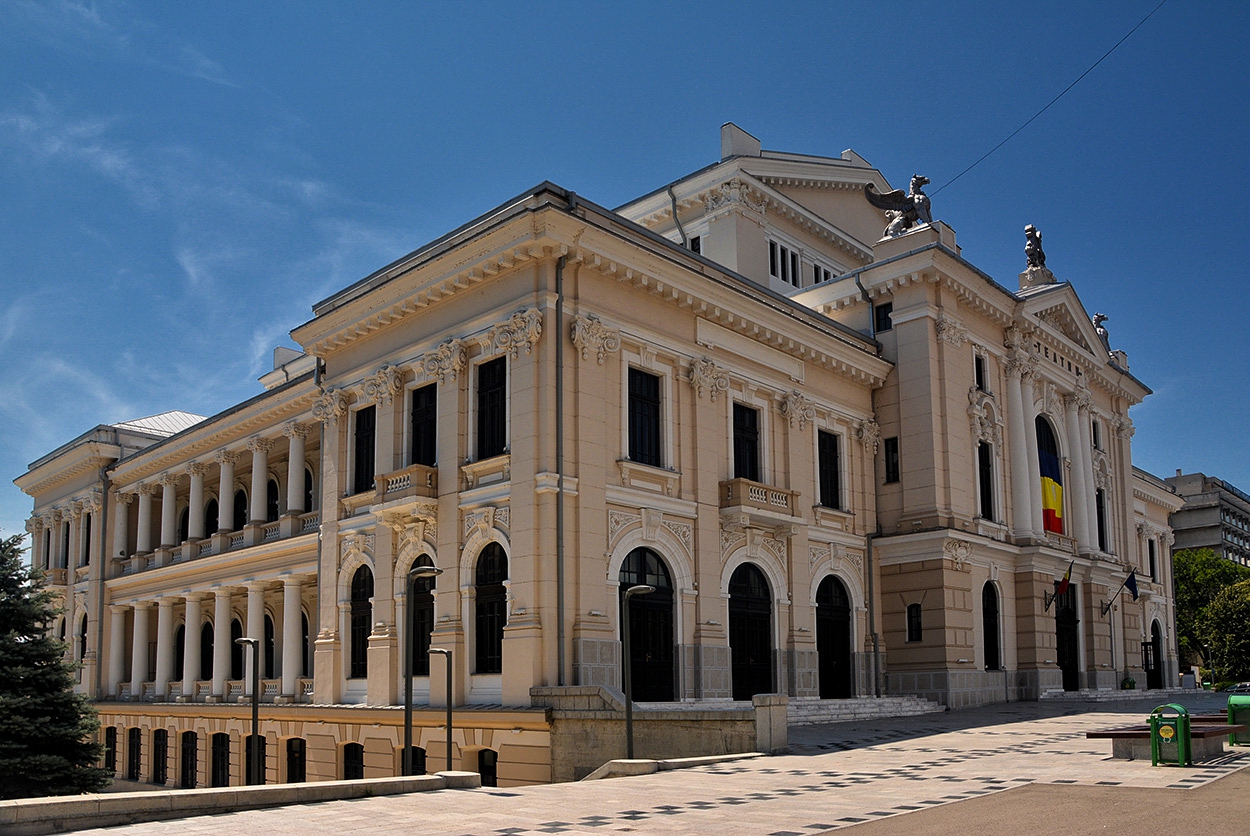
447 654
254 767
415 574
627 664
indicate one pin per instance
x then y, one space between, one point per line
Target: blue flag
1131 583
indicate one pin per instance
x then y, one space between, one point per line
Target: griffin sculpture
905 211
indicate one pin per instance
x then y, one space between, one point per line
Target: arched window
833 640
422 620
914 631
491 616
309 493
268 648
240 509
134 752
180 650
1052 476
236 649
219 769
1100 519
160 756
272 508
651 643
989 624
82 637
750 632
184 525
206 651
361 622
211 518
488 767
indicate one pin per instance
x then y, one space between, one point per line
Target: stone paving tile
837 776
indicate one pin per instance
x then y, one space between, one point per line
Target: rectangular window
882 317
1096 432
110 748
363 447
795 273
978 367
914 633
890 450
696 244
424 426
134 753
160 756
783 263
1100 510
773 269
492 408
829 466
985 478
820 274
746 443
1154 564
644 418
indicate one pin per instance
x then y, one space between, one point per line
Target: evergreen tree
47 732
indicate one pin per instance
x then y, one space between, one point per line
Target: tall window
746 443
219 766
978 368
1052 476
236 649
644 418
353 762
890 452
783 263
1100 511
422 615
914 631
184 525
82 623
272 506
211 515
492 408
1153 560
363 447
268 648
247 759
985 479
989 625
134 752
206 651
110 748
424 426
85 551
491 601
189 760
882 317
309 504
361 622
240 509
829 465
160 756
296 760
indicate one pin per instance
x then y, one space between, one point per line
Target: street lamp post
254 766
415 574
447 653
626 665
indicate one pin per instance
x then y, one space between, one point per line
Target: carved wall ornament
483 520
1167 538
704 374
34 526
987 425
589 334
1123 427
618 520
521 331
797 406
958 552
355 544
684 532
951 332
330 407
736 195
445 361
817 553
651 519
868 432
382 386
856 559
294 429
94 501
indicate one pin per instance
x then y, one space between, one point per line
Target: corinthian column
117 647
169 510
1021 486
1035 465
221 641
260 473
164 645
121 523
191 648
1079 502
143 543
255 630
195 521
225 491
295 468
292 652
139 651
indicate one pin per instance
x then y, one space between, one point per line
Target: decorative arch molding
839 569
772 568
654 529
664 543
473 545
352 560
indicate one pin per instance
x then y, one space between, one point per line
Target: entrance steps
1110 695
808 711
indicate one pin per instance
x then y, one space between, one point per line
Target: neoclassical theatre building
850 465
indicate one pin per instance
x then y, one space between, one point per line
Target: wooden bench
1206 739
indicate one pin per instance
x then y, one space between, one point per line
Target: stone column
191 649
1035 465
1079 502
169 510
255 630
296 432
221 641
34 527
225 491
117 647
75 531
139 651
195 524
143 543
121 523
260 477
292 652
1087 473
164 645
1017 437
56 544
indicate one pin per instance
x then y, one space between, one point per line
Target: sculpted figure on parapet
905 211
1033 247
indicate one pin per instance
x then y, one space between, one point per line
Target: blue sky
180 182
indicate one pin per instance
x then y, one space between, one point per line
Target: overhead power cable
1055 99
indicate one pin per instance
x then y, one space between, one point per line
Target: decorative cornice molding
704 374
382 386
951 332
868 432
445 361
520 331
797 406
330 407
589 334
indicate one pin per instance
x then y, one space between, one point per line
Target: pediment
1059 309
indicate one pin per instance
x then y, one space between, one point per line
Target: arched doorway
750 632
833 640
1153 661
1067 641
989 626
650 627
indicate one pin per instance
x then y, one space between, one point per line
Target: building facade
1216 516
848 465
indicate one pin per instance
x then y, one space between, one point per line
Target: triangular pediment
1057 308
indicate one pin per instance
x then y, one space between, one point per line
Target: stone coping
37 816
639 766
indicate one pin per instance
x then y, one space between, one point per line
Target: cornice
64 469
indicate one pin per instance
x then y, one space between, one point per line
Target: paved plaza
1010 769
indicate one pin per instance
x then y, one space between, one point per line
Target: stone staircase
808 711
1160 695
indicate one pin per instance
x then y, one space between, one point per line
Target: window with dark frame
696 244
889 449
189 760
361 618
1100 512
985 479
353 762
219 755
134 752
914 632
110 748
423 445
273 505
989 626
644 418
978 369
783 263
882 317
160 756
492 408
829 468
491 609
1154 567
746 442
364 442
296 760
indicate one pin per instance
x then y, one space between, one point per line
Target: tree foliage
47 732
1225 626
1200 575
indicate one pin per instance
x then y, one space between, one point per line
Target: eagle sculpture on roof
905 211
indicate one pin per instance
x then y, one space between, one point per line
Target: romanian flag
1062 586
1052 492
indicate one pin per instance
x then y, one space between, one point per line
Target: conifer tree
47 732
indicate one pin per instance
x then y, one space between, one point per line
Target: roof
164 423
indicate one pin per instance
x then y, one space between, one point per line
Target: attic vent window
882 317
696 244
783 263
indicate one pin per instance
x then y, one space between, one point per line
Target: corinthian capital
330 407
259 445
226 457
589 334
294 429
521 331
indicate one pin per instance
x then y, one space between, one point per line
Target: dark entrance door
1067 645
650 626
750 632
1154 658
833 639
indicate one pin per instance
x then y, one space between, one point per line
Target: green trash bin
1170 739
1239 715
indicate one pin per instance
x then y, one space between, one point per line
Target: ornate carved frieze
521 331
589 334
383 385
951 332
704 374
446 361
1123 427
796 406
868 432
618 520
684 532
484 519
330 407
818 552
958 552
983 411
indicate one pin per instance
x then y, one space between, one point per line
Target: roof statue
1101 330
1033 247
905 211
